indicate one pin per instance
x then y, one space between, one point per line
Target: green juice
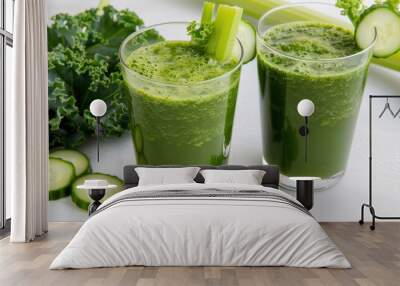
181 104
334 87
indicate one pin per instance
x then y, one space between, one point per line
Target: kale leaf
83 65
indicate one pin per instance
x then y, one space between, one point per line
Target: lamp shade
98 107
305 107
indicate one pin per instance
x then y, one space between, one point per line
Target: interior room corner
192 142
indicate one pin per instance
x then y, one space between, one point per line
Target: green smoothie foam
288 75
177 62
180 111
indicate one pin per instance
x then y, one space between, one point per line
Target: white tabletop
88 187
304 178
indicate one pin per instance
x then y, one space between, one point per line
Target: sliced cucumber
78 159
247 37
386 21
81 197
61 175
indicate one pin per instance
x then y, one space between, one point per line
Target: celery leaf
351 8
200 33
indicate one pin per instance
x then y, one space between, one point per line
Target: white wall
341 203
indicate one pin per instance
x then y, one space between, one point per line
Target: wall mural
174 88
84 66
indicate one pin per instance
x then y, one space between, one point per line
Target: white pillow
163 176
248 177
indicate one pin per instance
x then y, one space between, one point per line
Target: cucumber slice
61 175
78 159
387 23
247 37
81 197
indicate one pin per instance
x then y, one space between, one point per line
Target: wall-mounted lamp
98 108
305 108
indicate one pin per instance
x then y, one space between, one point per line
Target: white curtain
27 123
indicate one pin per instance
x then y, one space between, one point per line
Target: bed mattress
201 225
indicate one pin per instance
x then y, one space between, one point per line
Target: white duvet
200 231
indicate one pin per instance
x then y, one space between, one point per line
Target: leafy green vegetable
200 33
351 8
218 36
84 65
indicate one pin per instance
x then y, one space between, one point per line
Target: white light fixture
98 108
305 108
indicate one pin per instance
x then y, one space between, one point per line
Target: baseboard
5 231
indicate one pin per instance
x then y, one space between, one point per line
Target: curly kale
84 65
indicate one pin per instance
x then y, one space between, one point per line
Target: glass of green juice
181 101
307 51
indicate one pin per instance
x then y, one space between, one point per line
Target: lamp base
96 195
305 193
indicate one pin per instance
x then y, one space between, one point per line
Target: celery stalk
208 12
100 7
256 8
226 27
392 62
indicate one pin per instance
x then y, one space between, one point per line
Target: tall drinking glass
297 61
174 121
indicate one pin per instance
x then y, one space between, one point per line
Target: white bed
202 231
